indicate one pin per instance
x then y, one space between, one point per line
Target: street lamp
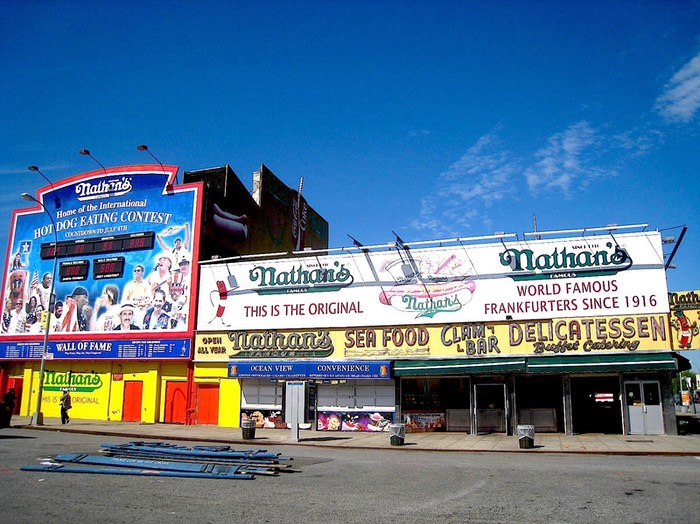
144 147
38 416
86 152
56 200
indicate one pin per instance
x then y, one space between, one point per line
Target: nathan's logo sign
566 264
80 382
685 314
272 281
684 300
426 300
105 188
426 285
275 344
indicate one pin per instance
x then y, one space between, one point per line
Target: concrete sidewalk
544 442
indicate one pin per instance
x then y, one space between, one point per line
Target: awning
408 368
603 363
598 363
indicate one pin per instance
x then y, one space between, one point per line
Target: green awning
603 363
409 368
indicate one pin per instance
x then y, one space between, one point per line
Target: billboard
117 247
275 218
542 279
287 222
563 336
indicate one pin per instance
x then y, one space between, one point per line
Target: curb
406 447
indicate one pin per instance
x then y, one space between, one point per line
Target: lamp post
38 416
56 200
86 152
144 147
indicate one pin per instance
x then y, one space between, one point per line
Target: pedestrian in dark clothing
8 408
65 406
9 399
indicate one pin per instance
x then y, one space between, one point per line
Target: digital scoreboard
112 267
102 268
72 270
98 246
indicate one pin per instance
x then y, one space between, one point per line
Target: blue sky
431 119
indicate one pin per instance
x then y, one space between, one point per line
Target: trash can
397 433
526 436
248 429
5 416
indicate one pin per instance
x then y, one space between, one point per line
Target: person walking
8 408
65 406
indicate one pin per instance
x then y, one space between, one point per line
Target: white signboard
541 279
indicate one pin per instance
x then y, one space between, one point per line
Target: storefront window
435 393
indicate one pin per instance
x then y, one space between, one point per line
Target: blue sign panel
317 369
100 349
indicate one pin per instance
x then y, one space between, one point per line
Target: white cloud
482 176
637 142
681 97
566 161
489 174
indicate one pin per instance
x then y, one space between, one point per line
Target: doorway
208 404
175 402
133 395
491 408
16 383
595 405
643 408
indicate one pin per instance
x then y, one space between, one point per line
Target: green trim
602 363
459 367
597 363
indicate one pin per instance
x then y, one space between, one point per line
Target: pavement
606 444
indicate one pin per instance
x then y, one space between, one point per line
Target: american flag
35 280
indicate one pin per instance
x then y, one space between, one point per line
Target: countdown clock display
98 245
102 268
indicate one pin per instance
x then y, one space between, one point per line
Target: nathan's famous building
568 333
119 248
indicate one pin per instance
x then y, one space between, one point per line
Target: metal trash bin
5 416
526 436
397 433
248 429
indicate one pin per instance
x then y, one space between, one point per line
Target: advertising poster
685 319
542 279
116 246
354 421
573 335
274 218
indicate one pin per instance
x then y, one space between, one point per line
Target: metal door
133 397
207 404
644 411
175 402
491 408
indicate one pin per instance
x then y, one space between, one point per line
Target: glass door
643 405
491 408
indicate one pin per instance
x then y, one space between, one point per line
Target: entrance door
16 383
595 405
175 402
491 402
644 412
133 395
207 404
